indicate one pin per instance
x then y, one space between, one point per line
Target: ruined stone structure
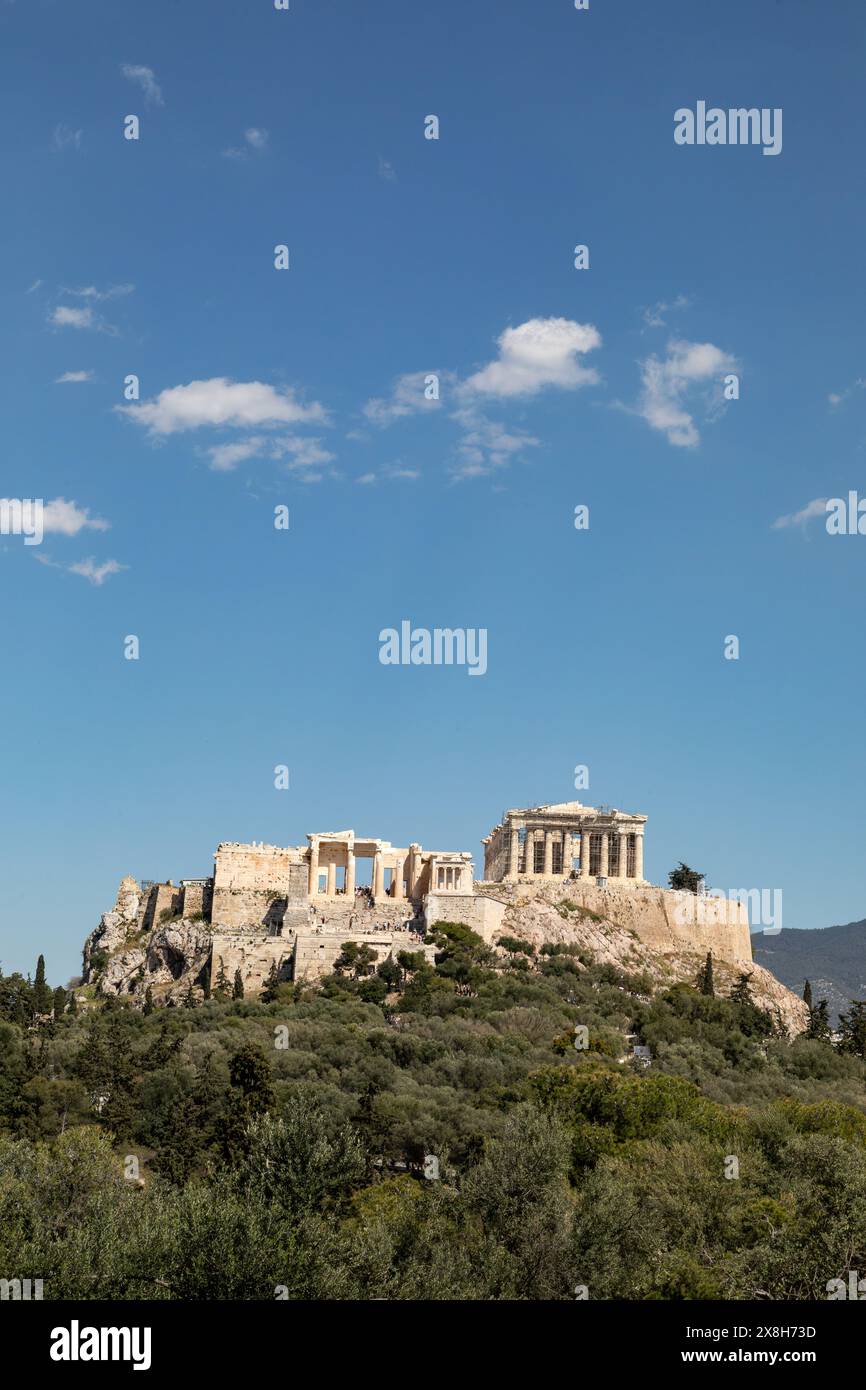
292 908
556 840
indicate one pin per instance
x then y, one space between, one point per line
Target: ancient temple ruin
565 837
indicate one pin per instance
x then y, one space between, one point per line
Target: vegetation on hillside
250 1149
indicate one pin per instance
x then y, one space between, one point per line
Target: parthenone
555 840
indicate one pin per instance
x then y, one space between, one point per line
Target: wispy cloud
74 377
63 137
387 172
299 454
686 370
408 397
94 294
817 507
255 137
655 316
88 569
146 79
486 445
69 316
836 398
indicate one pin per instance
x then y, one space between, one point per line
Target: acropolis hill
557 872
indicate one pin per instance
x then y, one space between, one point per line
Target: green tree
238 986
741 992
59 1001
684 879
223 989
852 1029
42 996
705 977
807 994
147 1010
819 1022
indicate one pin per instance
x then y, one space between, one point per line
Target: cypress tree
43 1000
238 986
705 977
807 995
148 1001
819 1022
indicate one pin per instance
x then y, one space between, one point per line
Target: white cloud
817 507
91 292
35 286
66 316
64 138
219 402
97 574
668 381
837 397
303 453
67 518
535 355
396 473
74 376
407 398
487 445
256 139
63 518
387 172
654 317
146 79
225 457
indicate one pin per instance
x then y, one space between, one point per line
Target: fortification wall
252 954
664 920
482 913
316 952
197 898
254 884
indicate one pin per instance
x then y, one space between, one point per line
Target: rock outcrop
558 914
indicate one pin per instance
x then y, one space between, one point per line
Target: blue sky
558 387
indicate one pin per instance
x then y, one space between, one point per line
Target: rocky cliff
122 960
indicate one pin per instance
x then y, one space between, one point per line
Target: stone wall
664 920
252 954
316 952
254 884
198 898
482 913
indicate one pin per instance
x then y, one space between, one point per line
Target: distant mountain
832 958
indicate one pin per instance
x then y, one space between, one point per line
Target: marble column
313 886
399 890
605 846
378 874
638 857
350 872
332 879
584 851
414 867
623 856
567 852
548 853
529 852
514 853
